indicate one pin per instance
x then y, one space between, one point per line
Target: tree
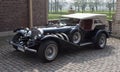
80 4
91 6
109 5
77 4
51 6
83 6
113 5
96 4
56 5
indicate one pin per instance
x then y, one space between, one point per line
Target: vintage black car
75 30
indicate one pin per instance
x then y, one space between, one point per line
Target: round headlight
29 33
37 36
41 31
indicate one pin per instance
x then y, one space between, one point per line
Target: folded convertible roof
84 15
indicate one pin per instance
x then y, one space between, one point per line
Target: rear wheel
48 51
101 41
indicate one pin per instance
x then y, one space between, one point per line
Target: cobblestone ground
86 59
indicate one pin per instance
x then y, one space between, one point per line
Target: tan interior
86 24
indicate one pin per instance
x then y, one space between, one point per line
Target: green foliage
53 16
63 12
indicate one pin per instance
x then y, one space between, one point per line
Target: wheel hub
76 37
51 52
102 41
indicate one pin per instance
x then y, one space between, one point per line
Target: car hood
56 29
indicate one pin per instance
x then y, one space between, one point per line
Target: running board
87 43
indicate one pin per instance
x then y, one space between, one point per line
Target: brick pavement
86 59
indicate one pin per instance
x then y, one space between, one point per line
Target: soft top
83 15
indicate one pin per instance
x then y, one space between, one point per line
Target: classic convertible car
76 30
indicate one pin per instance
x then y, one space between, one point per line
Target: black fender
71 32
74 29
77 29
22 31
19 31
16 30
99 32
51 37
61 43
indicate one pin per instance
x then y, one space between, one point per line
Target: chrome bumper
22 48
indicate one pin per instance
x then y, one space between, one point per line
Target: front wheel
48 51
101 41
18 40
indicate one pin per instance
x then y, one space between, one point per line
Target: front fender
53 38
16 30
25 32
50 37
74 29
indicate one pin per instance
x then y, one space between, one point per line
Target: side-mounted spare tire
76 37
48 51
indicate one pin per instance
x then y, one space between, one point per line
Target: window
86 24
97 21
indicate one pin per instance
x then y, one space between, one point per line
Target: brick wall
15 14
39 12
116 22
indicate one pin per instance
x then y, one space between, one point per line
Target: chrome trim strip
65 36
60 36
88 43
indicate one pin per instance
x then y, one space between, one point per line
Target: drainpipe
47 9
30 14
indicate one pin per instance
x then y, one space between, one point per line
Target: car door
97 24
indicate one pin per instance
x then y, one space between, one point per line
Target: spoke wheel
51 51
76 37
48 51
101 41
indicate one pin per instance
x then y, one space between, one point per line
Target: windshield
64 22
69 21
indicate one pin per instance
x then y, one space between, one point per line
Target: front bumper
22 48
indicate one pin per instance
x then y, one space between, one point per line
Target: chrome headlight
29 33
37 36
41 31
26 32
36 33
22 31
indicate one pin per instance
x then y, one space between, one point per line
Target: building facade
22 13
116 21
